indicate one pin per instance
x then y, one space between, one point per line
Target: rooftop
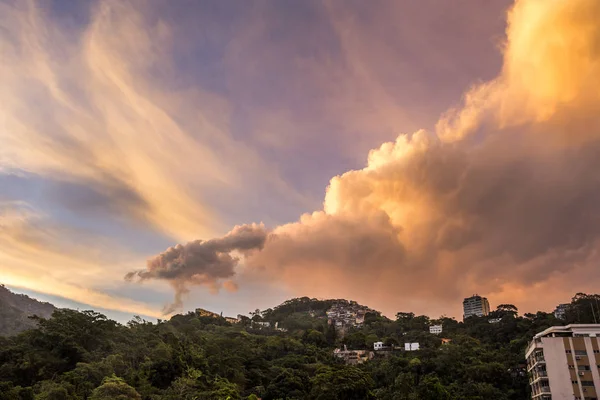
586 329
571 330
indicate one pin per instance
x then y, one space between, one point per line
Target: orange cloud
489 204
550 68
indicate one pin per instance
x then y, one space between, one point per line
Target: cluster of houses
347 315
354 357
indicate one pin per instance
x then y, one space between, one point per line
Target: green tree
584 309
431 388
315 337
114 388
289 384
50 390
348 383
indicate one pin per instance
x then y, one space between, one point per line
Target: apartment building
475 305
560 311
563 363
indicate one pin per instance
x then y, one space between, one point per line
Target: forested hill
85 356
15 310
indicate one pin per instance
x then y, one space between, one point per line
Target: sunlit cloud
110 119
501 199
96 113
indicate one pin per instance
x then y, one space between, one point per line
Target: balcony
540 389
537 376
536 361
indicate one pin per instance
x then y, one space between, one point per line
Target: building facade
560 311
563 362
435 329
475 305
353 357
411 346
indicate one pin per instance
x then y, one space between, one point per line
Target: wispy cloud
36 254
95 108
106 114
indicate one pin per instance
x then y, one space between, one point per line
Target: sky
159 156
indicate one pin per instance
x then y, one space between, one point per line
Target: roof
571 328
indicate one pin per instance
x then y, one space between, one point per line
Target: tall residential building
560 311
475 305
563 363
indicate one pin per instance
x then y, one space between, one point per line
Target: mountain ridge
15 310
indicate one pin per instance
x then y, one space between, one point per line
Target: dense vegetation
83 355
15 310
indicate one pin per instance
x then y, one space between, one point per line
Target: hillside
202 356
15 310
306 313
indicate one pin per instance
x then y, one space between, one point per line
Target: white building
411 346
377 345
435 329
563 362
494 320
262 324
475 305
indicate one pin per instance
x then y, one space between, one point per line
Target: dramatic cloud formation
202 262
126 126
502 199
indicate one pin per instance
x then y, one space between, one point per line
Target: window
580 353
596 351
574 382
568 351
583 367
571 366
587 383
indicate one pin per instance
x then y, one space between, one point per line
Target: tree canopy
84 355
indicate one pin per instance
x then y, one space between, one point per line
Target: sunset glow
162 156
